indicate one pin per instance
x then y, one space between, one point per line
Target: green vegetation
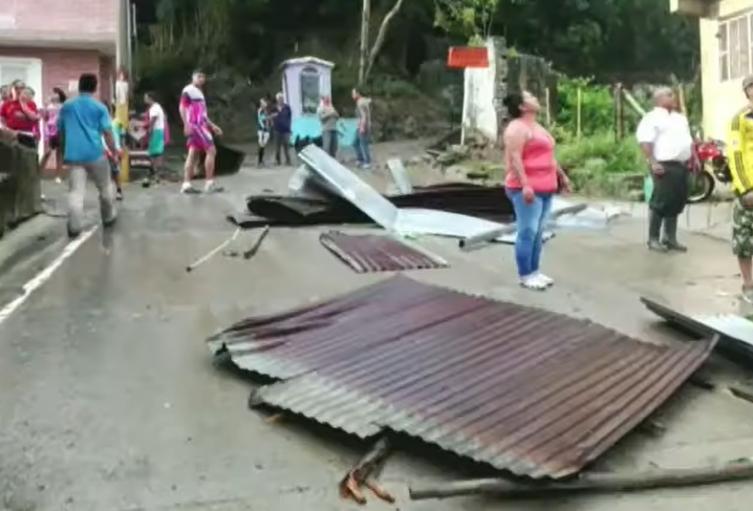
597 158
599 163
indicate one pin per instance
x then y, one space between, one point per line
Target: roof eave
697 8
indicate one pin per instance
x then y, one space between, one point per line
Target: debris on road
376 253
400 175
521 389
736 332
251 252
361 474
213 252
404 221
501 234
592 482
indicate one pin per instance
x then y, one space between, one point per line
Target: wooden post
619 113
579 118
548 107
606 482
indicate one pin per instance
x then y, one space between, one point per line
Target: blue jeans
363 152
531 220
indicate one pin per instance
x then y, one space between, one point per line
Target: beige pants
99 172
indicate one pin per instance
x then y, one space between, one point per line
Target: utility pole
365 21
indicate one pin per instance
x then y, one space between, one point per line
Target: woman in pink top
533 177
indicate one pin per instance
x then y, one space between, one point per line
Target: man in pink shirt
198 129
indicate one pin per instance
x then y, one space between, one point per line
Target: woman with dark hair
533 177
51 112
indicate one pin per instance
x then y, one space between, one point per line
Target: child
156 132
114 159
262 128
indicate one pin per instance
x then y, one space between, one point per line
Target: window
736 47
309 89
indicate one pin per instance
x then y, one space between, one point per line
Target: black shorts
54 142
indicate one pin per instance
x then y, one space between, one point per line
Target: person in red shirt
20 115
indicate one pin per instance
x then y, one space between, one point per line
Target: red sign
462 57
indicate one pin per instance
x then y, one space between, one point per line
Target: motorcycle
709 166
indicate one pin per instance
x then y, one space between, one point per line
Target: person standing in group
262 128
5 95
282 121
533 177
83 124
664 136
199 129
740 157
362 143
113 158
20 115
51 113
156 134
329 117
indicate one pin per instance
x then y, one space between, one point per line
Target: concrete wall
20 189
479 109
84 21
485 89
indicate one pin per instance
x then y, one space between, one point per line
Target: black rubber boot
654 232
670 236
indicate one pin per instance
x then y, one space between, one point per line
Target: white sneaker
212 187
187 188
58 180
548 281
533 282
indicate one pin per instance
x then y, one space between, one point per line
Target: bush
598 164
597 107
617 156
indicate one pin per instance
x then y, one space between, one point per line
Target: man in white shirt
156 134
664 136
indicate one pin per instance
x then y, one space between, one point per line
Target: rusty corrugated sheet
522 389
374 253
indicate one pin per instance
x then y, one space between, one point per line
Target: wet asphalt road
109 399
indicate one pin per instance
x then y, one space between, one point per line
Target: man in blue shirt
83 123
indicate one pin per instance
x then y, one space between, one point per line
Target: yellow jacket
740 151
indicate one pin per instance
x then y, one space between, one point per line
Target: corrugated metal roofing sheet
521 389
375 253
736 331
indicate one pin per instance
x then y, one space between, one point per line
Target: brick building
49 43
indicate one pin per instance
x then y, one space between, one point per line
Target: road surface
109 399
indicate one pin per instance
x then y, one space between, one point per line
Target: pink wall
80 18
59 67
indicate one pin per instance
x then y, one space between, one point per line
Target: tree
368 57
466 18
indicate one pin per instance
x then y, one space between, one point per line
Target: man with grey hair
282 122
664 136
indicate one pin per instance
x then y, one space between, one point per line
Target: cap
748 82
